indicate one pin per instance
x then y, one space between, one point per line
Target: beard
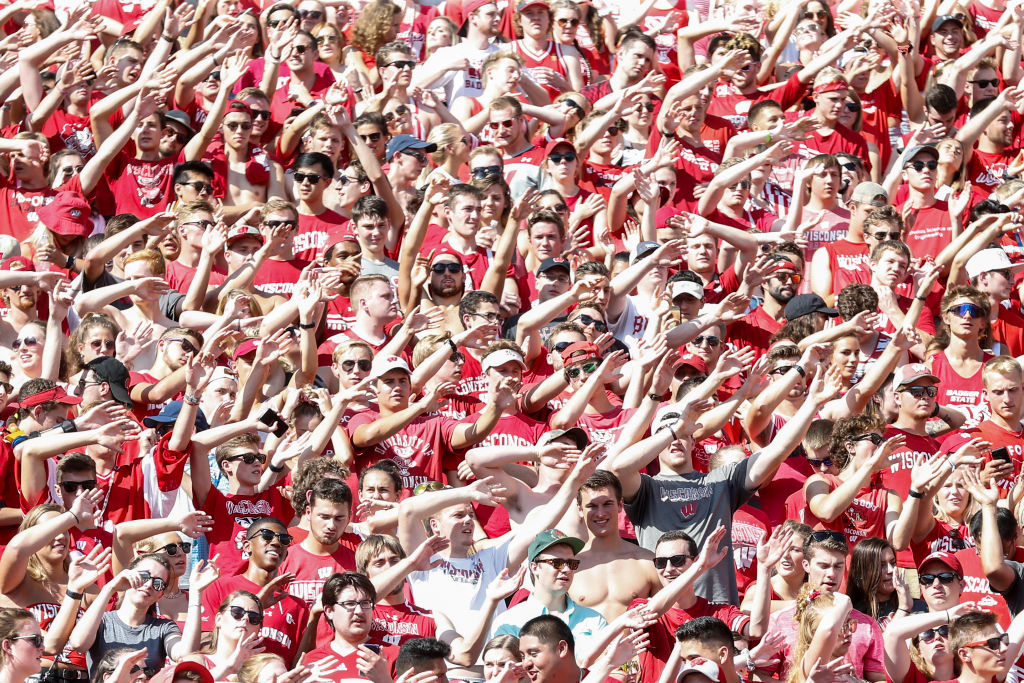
446 292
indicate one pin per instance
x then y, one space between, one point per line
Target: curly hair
844 430
811 604
373 26
976 297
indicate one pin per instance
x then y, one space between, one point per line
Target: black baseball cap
114 373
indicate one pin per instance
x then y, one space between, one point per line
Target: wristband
170 39
921 298
915 494
68 426
307 327
71 512
191 399
74 595
935 410
455 347
768 138
214 58
800 371
657 398
668 135
275 470
70 263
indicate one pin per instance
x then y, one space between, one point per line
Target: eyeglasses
795 278
495 125
327 38
483 171
235 125
402 64
98 344
559 563
825 535
73 486
71 170
995 643
425 486
311 14
675 560
712 340
26 341
882 236
741 185
853 106
564 21
313 178
262 114
371 138
820 15
873 437
82 384
965 310
186 345
203 225
400 110
349 365
849 627
929 635
238 613
815 463
585 368
282 224
452 268
35 640
248 458
173 548
919 166
489 317
945 578
921 392
599 325
200 187
158 583
344 180
567 157
268 536
300 49
781 370
986 82
353 605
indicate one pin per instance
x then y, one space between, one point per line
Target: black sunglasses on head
824 534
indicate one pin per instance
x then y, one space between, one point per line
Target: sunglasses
561 346
274 23
327 38
781 370
98 344
599 325
882 236
26 341
929 635
823 535
495 125
558 208
173 548
301 49
921 392
993 643
675 560
452 268
348 365
214 76
203 225
415 154
372 137
282 224
344 180
876 439
567 157
563 21
986 82
944 578
457 357
35 639
268 536
574 105
262 114
853 106
310 14
235 125
71 170
850 166
712 340
238 613
425 486
795 278
249 458
483 171
587 368
965 310
815 463
186 345
158 583
921 165
313 178
73 486
400 110
649 106
200 187
819 14
613 131
559 563
402 64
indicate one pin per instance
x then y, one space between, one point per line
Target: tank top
966 394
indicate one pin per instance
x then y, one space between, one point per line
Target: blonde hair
254 665
34 568
811 604
442 136
150 256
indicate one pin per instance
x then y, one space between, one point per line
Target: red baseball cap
580 351
550 147
68 214
238 106
695 362
246 347
473 5
948 559
447 250
17 263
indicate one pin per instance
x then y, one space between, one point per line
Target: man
835 264
284 615
652 503
613 572
992 272
830 93
889 264
406 157
372 226
446 285
348 601
165 378
279 222
980 647
508 134
756 328
991 127
243 170
192 220
707 638
313 174
822 209
634 62
193 181
825 554
373 299
422 655
548 650
932 229
916 389
1003 428
552 564
457 69
945 588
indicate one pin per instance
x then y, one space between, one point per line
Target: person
21 643
348 600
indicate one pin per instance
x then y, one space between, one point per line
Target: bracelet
768 138
191 399
800 371
275 469
214 58
68 426
170 39
921 298
903 609
952 465
947 617
70 263
307 327
77 521
657 398
915 494
455 347
74 595
935 410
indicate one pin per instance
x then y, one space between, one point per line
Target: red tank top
45 613
848 262
966 394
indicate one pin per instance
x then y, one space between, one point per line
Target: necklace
171 596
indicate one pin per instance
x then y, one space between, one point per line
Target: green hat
546 539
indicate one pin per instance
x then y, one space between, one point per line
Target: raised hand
771 549
195 524
505 583
86 570
204 573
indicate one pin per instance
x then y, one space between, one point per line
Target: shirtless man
249 176
613 572
445 279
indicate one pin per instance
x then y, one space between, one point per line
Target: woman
824 631
846 357
452 153
928 658
352 362
561 168
330 47
942 525
380 489
134 623
173 604
789 576
40 23
441 32
957 351
377 25
312 15
951 174
872 581
593 36
494 209
21 645
503 660
235 635
36 574
637 134
96 336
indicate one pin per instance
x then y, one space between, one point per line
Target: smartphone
373 646
296 111
272 419
1001 454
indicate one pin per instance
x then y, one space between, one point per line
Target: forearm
761 609
768 459
185 425
190 635
472 434
572 410
538 396
385 426
50 365
84 633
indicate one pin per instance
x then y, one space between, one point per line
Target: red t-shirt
754 330
865 516
312 571
932 230
232 515
789 479
279 277
729 103
977 589
393 625
422 449
1008 330
897 475
340 315
605 428
516 431
842 139
311 239
848 263
1001 438
750 526
141 187
346 667
179 276
985 170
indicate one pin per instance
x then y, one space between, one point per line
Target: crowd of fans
546 341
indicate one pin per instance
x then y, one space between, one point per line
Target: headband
831 86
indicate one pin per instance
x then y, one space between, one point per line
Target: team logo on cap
75 213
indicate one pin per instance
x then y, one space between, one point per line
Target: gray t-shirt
153 635
1014 595
695 503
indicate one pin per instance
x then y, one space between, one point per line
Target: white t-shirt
463 83
458 586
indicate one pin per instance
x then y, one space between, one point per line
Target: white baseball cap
502 356
385 364
987 260
680 287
